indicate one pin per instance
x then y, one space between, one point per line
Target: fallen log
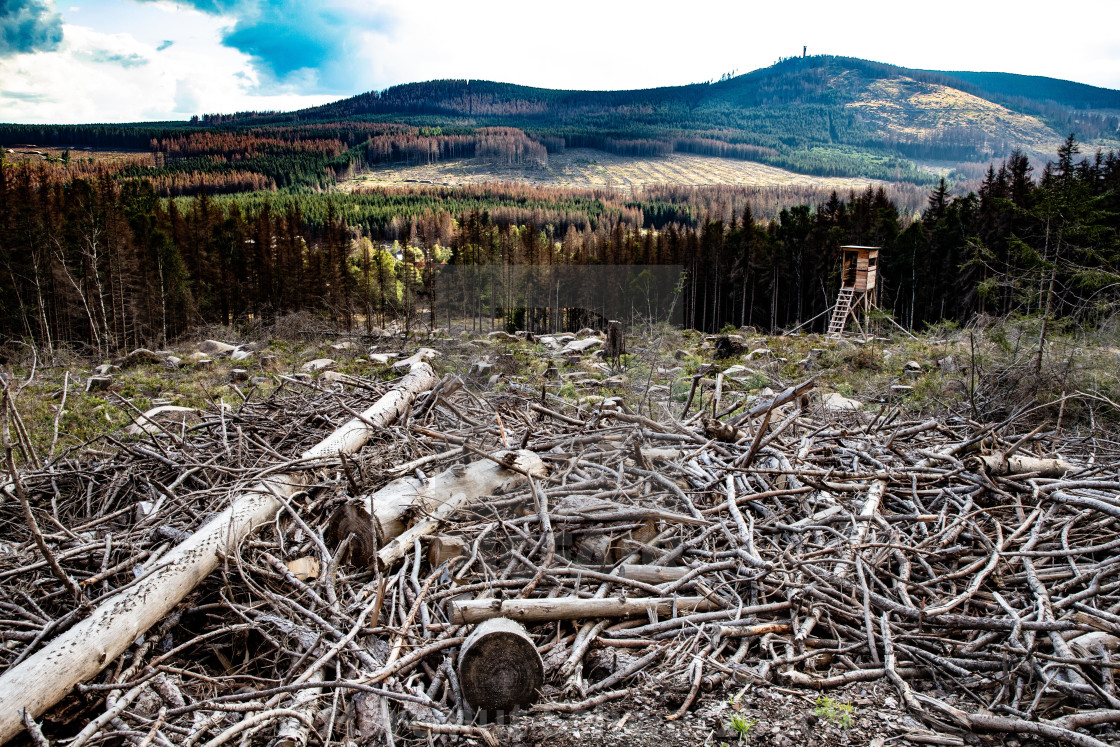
998 464
81 652
571 608
652 574
437 498
499 668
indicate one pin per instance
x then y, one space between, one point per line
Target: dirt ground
783 718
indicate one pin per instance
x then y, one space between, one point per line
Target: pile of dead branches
782 543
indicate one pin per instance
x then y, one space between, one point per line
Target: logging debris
968 569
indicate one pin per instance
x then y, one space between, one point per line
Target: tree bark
82 651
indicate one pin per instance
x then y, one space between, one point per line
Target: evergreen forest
99 258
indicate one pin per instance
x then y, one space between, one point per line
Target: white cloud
113 77
123 60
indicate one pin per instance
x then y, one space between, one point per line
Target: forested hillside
828 116
234 217
105 262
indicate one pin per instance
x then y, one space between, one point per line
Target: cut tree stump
616 344
500 670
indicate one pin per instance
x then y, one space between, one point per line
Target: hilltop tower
857 287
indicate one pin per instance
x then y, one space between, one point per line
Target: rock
215 348
502 335
912 368
481 368
736 370
580 347
760 353
573 360
838 402
494 379
806 364
238 374
146 423
586 332
679 355
97 383
948 365
105 369
240 354
382 359
173 361
317 365
344 345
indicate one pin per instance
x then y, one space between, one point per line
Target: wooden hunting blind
858 265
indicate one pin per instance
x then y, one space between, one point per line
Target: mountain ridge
821 115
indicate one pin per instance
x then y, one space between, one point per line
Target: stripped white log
81 652
572 608
408 496
998 464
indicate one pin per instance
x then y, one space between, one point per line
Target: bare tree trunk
81 652
1049 299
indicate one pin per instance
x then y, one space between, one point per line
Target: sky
77 61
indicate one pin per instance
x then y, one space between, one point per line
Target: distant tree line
105 262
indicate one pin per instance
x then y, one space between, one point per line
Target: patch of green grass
835 711
741 726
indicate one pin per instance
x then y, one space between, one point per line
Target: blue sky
129 60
